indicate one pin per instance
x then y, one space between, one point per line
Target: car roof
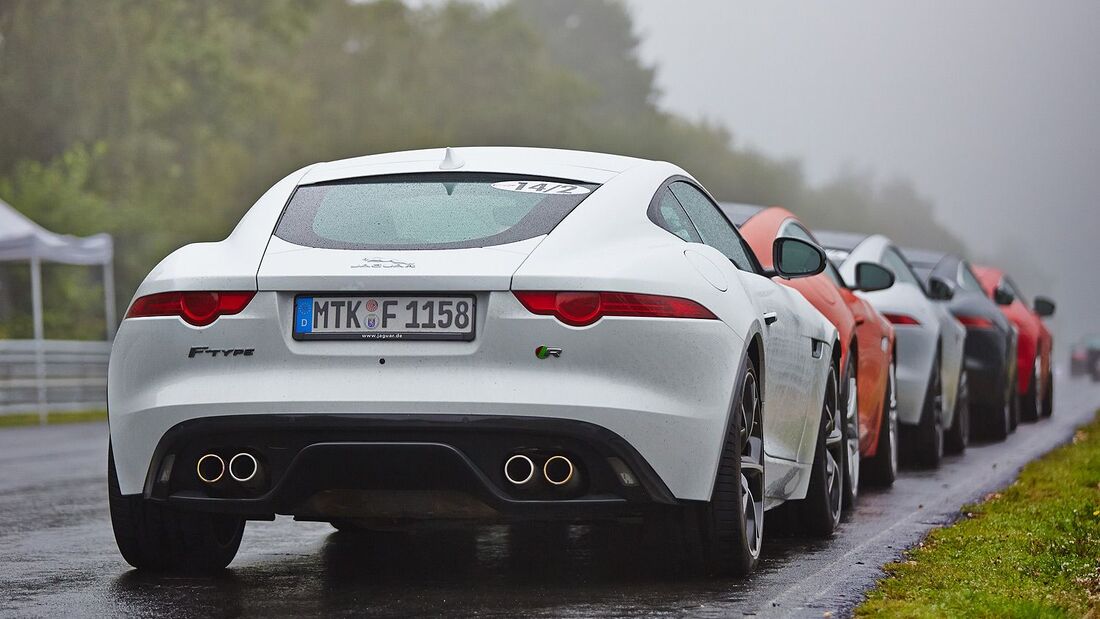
550 162
926 258
740 213
847 241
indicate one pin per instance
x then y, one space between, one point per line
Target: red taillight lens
902 319
197 308
975 322
584 308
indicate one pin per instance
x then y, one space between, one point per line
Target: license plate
377 317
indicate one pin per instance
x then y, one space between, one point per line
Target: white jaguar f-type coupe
932 391
470 335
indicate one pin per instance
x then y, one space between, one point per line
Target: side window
1011 285
834 275
902 273
712 225
794 230
967 279
669 215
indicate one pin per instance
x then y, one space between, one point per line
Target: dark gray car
990 354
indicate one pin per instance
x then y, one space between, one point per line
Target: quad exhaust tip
210 468
243 467
558 470
519 470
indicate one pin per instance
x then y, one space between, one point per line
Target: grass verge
1032 550
31 419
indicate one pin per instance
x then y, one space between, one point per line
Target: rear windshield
428 211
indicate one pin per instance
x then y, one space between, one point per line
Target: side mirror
939 289
1044 306
1003 296
871 277
797 258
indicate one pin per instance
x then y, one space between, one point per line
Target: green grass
31 419
1032 550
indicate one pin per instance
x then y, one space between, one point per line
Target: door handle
770 318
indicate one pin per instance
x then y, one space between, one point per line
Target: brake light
197 308
975 322
584 308
902 319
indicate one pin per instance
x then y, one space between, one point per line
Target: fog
989 107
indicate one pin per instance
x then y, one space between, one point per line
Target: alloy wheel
752 464
852 434
1038 387
892 418
937 408
834 450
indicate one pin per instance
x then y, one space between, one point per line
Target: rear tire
850 409
819 513
958 436
1048 396
1016 402
725 533
926 444
153 536
882 468
997 421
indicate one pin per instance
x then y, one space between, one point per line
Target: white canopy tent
22 239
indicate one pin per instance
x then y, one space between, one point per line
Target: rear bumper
916 351
986 358
402 467
664 386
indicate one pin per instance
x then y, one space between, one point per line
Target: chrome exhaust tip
243 467
519 470
558 470
210 468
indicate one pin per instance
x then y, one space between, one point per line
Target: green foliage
59 192
32 419
162 121
1031 551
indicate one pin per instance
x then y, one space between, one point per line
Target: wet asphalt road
57 554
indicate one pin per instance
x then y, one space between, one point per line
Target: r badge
543 352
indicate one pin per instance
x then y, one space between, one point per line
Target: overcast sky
991 107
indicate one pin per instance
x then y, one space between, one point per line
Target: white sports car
473 334
931 384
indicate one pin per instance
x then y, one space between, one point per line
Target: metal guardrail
62 375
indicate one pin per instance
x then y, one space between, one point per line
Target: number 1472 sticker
544 187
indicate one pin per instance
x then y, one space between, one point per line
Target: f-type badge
543 352
219 352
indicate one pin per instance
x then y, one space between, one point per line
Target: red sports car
1036 379
867 341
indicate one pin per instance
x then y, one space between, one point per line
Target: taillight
584 308
975 322
902 319
197 308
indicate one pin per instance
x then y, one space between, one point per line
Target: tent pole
109 298
39 337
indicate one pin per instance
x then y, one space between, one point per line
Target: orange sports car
867 341
1035 383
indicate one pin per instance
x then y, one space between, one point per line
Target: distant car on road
866 339
480 334
1035 369
931 386
1084 357
990 340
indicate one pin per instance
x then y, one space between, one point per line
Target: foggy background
967 128
991 107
